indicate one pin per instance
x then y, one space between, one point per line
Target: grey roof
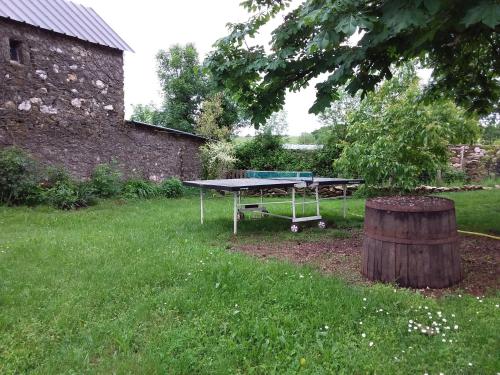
299 147
63 17
165 129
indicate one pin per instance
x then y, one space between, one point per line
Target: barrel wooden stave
416 249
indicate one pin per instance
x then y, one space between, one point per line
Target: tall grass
142 287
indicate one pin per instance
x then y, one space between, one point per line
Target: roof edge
165 129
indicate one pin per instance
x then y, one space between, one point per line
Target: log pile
444 189
327 191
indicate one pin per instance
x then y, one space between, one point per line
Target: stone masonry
63 103
477 161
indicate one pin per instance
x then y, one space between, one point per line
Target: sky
150 25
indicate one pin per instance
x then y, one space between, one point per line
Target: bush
106 181
453 175
54 175
19 178
171 188
140 189
70 195
217 158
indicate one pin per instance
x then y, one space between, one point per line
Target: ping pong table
260 180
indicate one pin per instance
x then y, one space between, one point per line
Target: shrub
171 188
67 195
140 189
217 158
106 181
19 178
394 138
54 175
454 175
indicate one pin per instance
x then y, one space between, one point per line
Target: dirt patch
342 257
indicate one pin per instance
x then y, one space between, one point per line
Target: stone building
62 100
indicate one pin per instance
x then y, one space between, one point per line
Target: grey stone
76 102
100 84
48 109
10 105
41 73
24 106
71 77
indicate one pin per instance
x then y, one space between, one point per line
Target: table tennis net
280 175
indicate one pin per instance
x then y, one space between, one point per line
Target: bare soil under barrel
341 257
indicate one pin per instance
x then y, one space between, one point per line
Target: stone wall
477 161
63 103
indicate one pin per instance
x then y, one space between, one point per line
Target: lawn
142 287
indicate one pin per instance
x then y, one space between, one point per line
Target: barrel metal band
408 241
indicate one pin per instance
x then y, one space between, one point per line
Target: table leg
293 203
345 198
317 199
201 205
235 213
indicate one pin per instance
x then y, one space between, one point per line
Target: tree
490 128
276 125
334 118
394 139
306 139
218 118
209 123
458 40
148 114
186 90
184 85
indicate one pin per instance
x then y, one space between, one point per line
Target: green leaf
487 12
347 25
432 6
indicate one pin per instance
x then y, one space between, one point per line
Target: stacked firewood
444 189
329 191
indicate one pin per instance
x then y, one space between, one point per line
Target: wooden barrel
411 240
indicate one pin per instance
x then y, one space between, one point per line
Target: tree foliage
394 139
183 85
148 114
459 41
188 92
218 118
276 125
490 129
209 123
335 119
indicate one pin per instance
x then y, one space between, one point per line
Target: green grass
142 287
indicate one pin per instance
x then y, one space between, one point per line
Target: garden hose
479 234
459 231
